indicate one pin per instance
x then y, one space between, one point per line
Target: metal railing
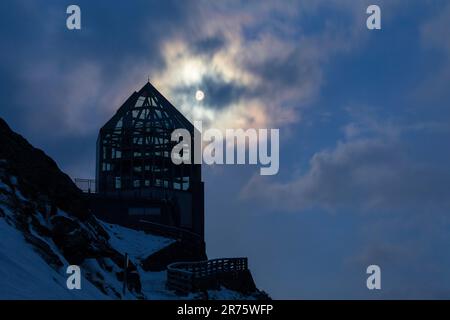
185 277
85 185
171 231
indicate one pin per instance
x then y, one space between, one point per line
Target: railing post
125 270
185 276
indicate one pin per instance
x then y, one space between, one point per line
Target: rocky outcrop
42 202
38 175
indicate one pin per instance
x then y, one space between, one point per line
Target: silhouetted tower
134 162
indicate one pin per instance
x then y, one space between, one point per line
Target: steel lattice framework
134 147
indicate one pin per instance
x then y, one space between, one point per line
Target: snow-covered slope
32 266
137 244
45 226
24 274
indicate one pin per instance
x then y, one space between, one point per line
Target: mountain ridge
46 226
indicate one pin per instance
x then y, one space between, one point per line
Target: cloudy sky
363 116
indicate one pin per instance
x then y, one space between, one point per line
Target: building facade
136 180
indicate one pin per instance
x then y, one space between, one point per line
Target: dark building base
158 217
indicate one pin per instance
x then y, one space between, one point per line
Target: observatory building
136 181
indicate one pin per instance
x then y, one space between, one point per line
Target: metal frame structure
135 175
134 147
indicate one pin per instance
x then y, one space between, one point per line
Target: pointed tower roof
149 98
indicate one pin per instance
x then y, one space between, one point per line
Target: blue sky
363 118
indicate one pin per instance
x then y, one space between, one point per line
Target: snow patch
24 274
138 244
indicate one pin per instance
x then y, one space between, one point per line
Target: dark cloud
362 175
60 86
221 93
282 72
208 45
218 93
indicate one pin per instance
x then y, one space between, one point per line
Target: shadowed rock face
39 176
43 203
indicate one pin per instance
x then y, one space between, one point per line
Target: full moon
199 95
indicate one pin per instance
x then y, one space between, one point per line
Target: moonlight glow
199 95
